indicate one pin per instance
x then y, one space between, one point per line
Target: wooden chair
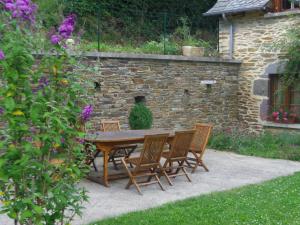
110 125
198 146
148 163
119 151
176 157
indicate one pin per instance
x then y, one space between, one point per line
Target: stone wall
172 88
254 34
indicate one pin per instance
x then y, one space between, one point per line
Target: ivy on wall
292 69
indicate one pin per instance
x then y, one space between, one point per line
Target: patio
227 171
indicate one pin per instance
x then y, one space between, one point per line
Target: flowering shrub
41 159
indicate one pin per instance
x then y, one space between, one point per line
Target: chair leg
131 179
204 166
159 183
129 173
188 163
180 163
94 158
128 184
166 167
163 171
114 162
128 153
94 165
194 168
170 165
150 177
197 162
137 186
181 167
186 174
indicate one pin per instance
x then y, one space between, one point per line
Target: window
285 99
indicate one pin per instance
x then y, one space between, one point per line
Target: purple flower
67 27
43 82
2 56
55 39
10 6
33 130
87 112
65 30
1 111
80 140
21 9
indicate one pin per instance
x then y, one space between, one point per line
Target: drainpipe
231 35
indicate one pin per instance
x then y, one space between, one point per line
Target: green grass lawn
269 203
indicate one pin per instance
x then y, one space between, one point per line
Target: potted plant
282 116
190 45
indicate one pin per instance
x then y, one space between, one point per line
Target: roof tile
235 6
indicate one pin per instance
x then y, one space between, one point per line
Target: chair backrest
181 143
153 147
110 125
201 137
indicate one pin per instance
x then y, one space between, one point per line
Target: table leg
105 168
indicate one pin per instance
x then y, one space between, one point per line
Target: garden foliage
41 158
135 22
292 46
281 145
140 117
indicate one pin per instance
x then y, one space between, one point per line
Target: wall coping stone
114 55
281 125
281 14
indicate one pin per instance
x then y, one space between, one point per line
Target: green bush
140 117
154 47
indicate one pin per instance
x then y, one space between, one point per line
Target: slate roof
236 6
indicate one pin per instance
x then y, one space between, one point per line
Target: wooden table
105 142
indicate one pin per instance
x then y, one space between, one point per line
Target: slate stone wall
171 86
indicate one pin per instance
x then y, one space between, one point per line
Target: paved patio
227 171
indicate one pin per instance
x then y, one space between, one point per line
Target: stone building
247 31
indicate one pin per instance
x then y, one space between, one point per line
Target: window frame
288 98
